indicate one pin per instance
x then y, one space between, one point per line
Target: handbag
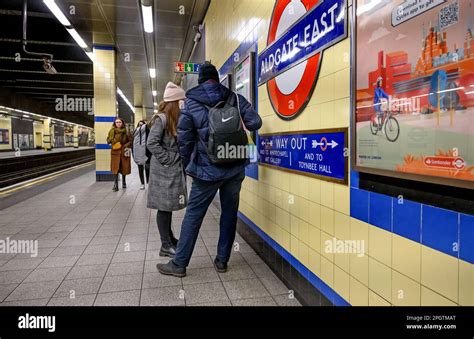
117 146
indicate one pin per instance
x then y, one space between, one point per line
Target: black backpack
227 136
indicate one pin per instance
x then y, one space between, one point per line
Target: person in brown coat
121 141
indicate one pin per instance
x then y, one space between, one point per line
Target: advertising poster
244 85
4 136
243 74
246 52
414 109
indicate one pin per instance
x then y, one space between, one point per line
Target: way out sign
322 154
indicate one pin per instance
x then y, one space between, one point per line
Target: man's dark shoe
221 267
171 269
168 251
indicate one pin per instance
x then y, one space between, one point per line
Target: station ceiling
117 23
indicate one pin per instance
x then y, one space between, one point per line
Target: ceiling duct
194 32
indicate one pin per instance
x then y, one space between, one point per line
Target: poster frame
227 78
353 125
252 56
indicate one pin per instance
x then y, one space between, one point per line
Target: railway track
17 170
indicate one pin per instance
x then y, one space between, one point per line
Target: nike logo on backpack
225 120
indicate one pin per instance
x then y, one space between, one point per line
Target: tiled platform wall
409 257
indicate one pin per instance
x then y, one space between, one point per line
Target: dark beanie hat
207 72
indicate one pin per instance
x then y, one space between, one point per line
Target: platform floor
13 154
97 247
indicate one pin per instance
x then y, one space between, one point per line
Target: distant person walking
194 136
141 155
167 188
121 141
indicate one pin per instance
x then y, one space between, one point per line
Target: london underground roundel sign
299 31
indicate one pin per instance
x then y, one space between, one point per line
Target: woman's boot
167 250
173 240
163 220
124 182
115 189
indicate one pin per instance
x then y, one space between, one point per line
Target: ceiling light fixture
77 38
53 7
119 91
147 18
90 55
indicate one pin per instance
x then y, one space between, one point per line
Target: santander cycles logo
300 30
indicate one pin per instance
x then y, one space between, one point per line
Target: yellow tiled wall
301 213
48 134
105 102
38 134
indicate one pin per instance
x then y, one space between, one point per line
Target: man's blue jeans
202 194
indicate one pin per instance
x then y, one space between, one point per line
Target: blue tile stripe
407 219
103 146
466 237
380 211
103 172
359 204
104 47
443 230
104 119
355 179
327 291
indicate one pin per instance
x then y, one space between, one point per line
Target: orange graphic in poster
444 164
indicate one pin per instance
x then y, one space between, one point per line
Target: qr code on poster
449 15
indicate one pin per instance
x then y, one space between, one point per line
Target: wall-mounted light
147 18
154 93
153 73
